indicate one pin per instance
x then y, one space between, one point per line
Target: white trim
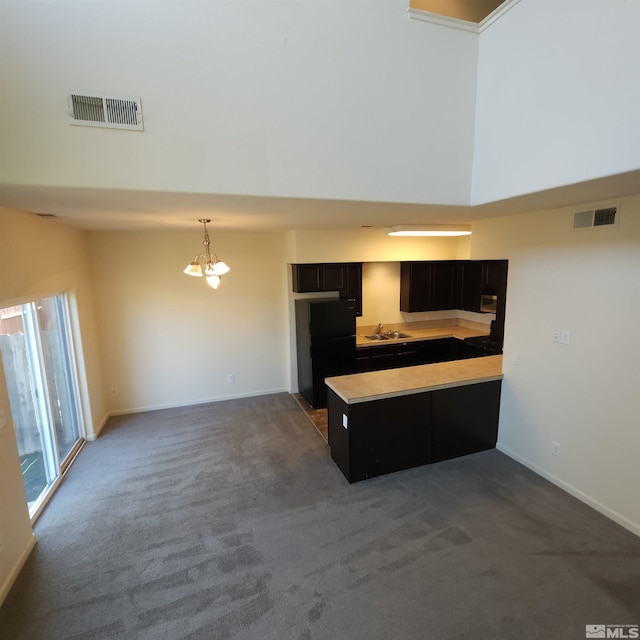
496 14
17 567
463 25
96 432
634 527
174 405
443 21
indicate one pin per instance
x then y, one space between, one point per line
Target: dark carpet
229 520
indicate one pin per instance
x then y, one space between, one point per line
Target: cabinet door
440 350
442 280
414 286
470 277
495 283
354 285
494 276
334 277
307 278
388 435
464 420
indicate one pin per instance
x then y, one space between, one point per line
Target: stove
483 345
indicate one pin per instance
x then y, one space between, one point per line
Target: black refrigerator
326 344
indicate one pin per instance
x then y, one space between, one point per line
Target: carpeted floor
230 520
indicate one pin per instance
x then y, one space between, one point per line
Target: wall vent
595 218
582 219
603 217
104 110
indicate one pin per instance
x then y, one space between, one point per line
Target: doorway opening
39 363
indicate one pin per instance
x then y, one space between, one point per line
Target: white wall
557 99
322 98
169 339
583 395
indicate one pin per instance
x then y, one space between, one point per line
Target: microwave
488 303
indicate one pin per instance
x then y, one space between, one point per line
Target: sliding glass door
37 355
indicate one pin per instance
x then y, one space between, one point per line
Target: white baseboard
96 433
634 527
174 405
13 574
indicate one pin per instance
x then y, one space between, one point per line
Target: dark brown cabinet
453 284
464 420
343 277
427 286
308 278
478 277
368 439
469 285
406 354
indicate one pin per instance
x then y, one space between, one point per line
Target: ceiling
113 209
470 10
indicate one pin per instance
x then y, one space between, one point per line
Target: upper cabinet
345 278
427 286
453 284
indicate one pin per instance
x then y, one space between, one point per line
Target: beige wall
169 339
16 538
371 245
583 395
40 258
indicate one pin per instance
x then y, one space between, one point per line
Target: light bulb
213 281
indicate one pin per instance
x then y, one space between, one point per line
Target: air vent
605 216
582 219
595 218
104 110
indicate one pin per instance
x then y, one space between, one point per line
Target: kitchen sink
394 335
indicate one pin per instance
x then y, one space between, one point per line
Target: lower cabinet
406 354
373 438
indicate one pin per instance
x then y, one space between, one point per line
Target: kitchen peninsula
385 421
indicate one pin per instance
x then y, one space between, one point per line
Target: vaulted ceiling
470 10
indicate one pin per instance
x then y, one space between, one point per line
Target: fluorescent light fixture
430 230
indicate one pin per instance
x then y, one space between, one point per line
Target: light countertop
431 333
389 383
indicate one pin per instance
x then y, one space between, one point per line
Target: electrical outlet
114 391
557 335
515 357
555 448
229 377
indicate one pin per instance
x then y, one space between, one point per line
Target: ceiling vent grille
104 110
595 218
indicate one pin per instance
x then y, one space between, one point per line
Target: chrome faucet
380 328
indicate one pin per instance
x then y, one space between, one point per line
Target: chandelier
207 265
